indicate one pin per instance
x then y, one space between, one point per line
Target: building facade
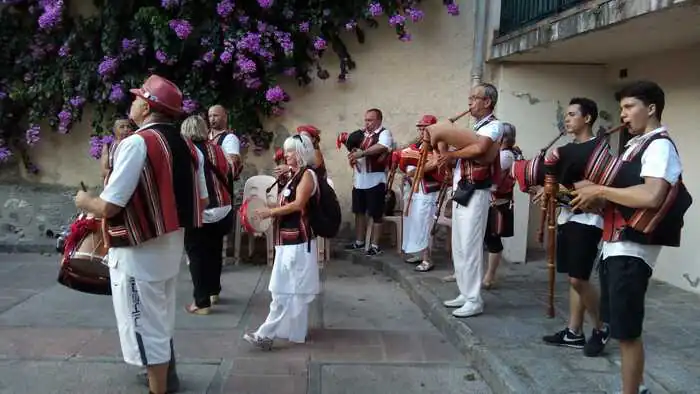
542 53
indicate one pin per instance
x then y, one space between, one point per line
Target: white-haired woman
295 280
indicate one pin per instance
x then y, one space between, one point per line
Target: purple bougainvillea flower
375 9
275 94
116 94
397 19
32 134
304 27
415 14
453 9
181 27
51 17
5 153
246 65
64 50
77 101
161 56
169 3
108 66
189 106
226 57
319 44
265 3
224 8
350 25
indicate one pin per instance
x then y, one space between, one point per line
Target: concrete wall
676 72
530 97
405 80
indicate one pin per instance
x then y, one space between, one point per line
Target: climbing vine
55 62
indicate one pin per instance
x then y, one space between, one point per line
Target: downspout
480 15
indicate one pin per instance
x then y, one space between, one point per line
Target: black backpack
324 210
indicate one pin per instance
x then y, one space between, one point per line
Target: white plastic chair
396 219
257 186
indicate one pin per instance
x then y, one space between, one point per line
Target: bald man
220 133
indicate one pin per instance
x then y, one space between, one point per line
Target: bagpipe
564 165
353 141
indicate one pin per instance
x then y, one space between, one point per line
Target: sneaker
596 343
262 343
355 246
642 390
374 251
456 303
468 310
566 337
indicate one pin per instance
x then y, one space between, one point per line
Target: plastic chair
396 219
257 186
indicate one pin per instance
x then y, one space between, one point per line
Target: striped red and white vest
659 226
375 163
217 173
481 175
291 229
237 167
167 195
504 182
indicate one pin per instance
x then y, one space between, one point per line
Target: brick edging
492 368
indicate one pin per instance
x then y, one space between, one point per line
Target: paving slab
505 341
395 379
363 320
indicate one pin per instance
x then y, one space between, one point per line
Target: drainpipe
480 15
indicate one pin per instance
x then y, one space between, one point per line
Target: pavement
366 337
504 343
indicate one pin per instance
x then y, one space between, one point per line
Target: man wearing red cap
417 225
154 191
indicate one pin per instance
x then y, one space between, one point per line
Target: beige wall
405 80
529 97
676 72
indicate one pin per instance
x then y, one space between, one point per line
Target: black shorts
577 249
493 243
370 201
623 286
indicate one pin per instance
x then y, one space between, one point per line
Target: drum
250 223
84 263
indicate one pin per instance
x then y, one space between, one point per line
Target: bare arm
99 207
303 193
650 194
104 161
473 151
374 150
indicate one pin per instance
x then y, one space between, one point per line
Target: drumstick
82 186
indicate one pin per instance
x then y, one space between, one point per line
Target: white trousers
145 313
468 230
288 318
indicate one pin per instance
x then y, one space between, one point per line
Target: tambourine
250 223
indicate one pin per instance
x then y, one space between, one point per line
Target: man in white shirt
629 255
578 236
476 154
220 133
369 184
155 189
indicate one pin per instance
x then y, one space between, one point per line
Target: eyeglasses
474 98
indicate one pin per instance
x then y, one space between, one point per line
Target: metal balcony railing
516 14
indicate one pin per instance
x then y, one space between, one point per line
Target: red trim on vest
219 196
431 180
151 211
374 163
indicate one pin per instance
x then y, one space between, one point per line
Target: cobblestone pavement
366 337
505 341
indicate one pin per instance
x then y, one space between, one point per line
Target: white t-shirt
231 145
659 160
492 130
368 180
159 258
